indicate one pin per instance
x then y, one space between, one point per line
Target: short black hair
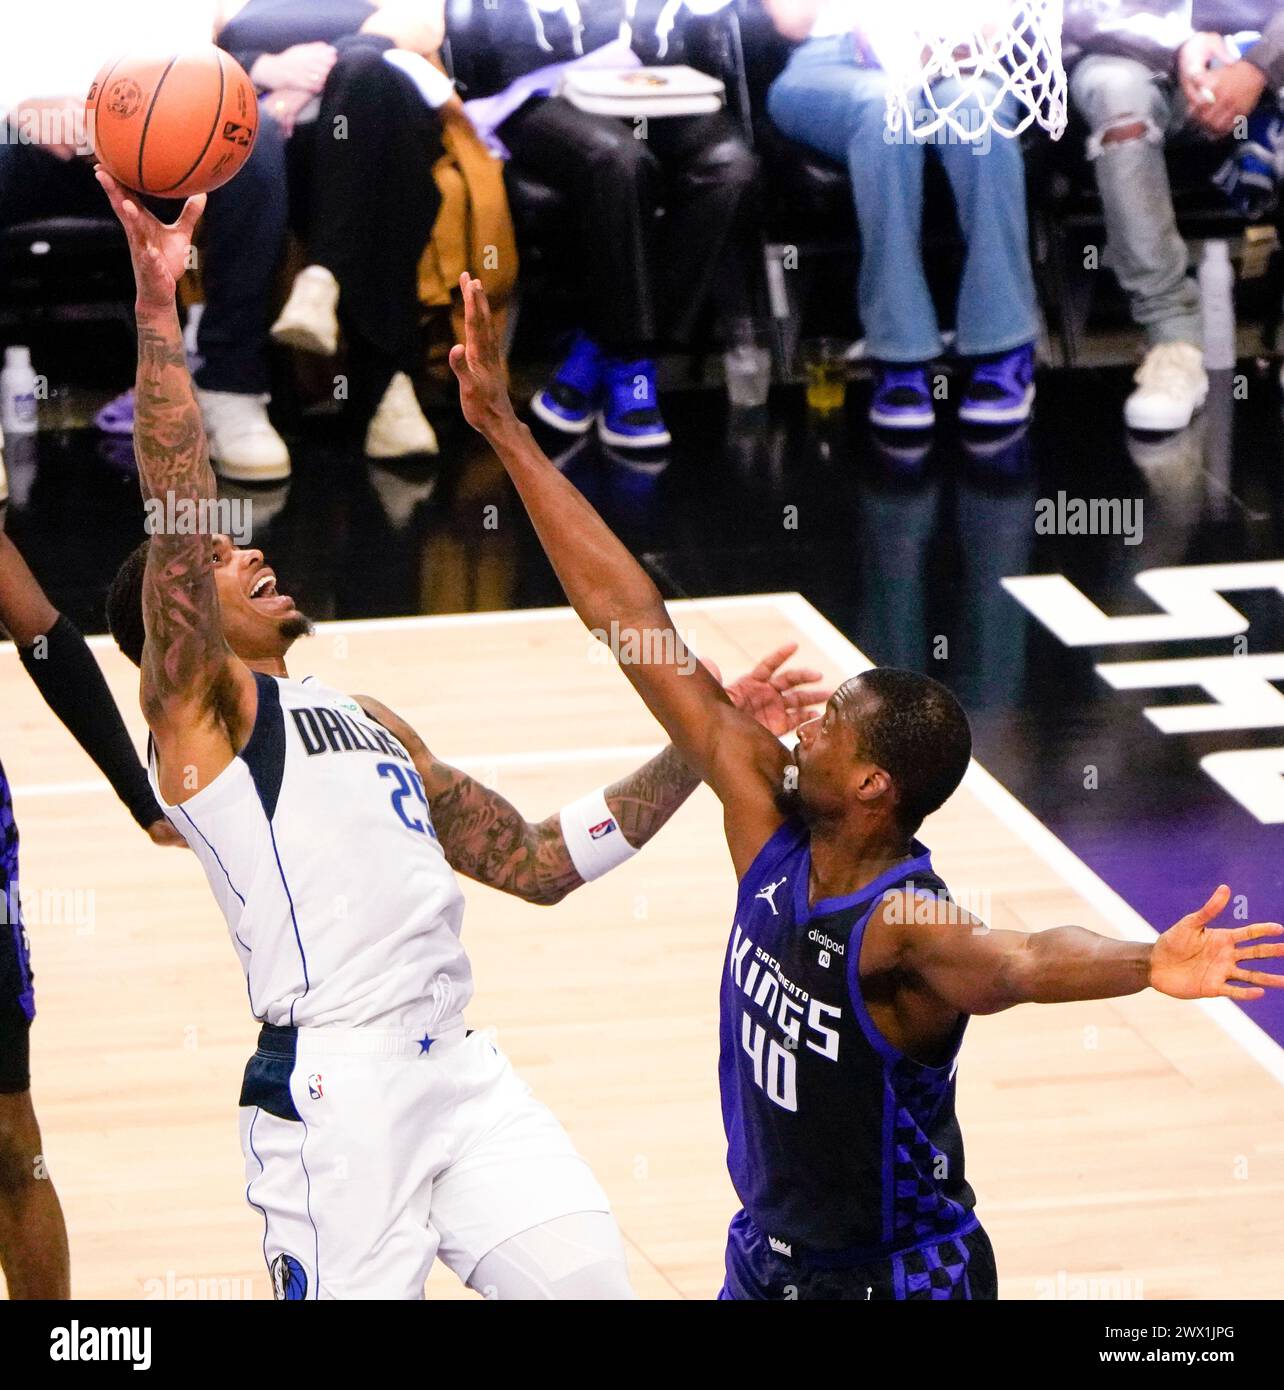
919 735
125 604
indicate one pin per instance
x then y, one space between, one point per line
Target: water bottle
1217 293
18 392
191 332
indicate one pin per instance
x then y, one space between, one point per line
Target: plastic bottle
18 392
1217 294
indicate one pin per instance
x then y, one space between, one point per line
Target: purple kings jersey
837 1143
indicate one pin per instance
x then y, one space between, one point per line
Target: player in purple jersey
33 1238
850 974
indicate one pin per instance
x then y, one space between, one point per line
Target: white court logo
1241 689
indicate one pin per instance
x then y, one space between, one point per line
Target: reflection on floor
904 544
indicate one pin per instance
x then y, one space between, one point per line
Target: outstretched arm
58 660
615 598
486 838
199 700
978 971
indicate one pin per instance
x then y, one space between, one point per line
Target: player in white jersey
378 1131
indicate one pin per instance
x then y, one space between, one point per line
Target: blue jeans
1145 249
826 100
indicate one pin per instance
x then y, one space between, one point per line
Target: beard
789 801
296 626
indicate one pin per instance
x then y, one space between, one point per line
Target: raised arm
199 700
56 657
486 838
616 600
978 971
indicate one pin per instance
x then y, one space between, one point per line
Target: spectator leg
244 231
823 99
615 183
371 201
998 308
709 242
1129 113
34 184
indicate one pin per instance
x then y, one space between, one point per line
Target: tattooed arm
485 838
198 698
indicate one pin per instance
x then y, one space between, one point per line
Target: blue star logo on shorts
424 1044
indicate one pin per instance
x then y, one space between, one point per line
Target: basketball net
989 50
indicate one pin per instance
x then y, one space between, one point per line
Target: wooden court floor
1132 1148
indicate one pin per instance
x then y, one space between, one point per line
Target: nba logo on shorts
314 1086
601 828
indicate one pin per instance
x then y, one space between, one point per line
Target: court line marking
421 621
635 752
1067 865
809 620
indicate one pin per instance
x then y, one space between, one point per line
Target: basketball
173 125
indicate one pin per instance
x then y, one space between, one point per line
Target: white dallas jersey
321 852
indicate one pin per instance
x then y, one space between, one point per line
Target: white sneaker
310 319
243 445
1171 386
398 427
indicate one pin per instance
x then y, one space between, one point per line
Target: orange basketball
174 125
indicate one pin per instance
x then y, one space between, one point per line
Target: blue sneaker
570 399
902 399
1001 391
631 418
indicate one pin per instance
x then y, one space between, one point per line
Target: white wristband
593 836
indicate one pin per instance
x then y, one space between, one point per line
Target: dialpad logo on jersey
289 1279
603 827
828 945
314 1086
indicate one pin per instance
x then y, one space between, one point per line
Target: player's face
831 764
258 621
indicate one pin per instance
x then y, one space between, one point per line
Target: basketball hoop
991 49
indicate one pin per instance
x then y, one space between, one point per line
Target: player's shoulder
787 843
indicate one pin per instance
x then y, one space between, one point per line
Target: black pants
647 278
356 184
34 184
241 249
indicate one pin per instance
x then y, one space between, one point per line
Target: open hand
284 105
160 252
775 698
1235 90
303 67
478 363
161 832
1193 961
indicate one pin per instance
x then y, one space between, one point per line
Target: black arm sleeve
66 674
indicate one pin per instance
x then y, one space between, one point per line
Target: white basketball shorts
368 1155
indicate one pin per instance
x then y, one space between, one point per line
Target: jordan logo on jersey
768 894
